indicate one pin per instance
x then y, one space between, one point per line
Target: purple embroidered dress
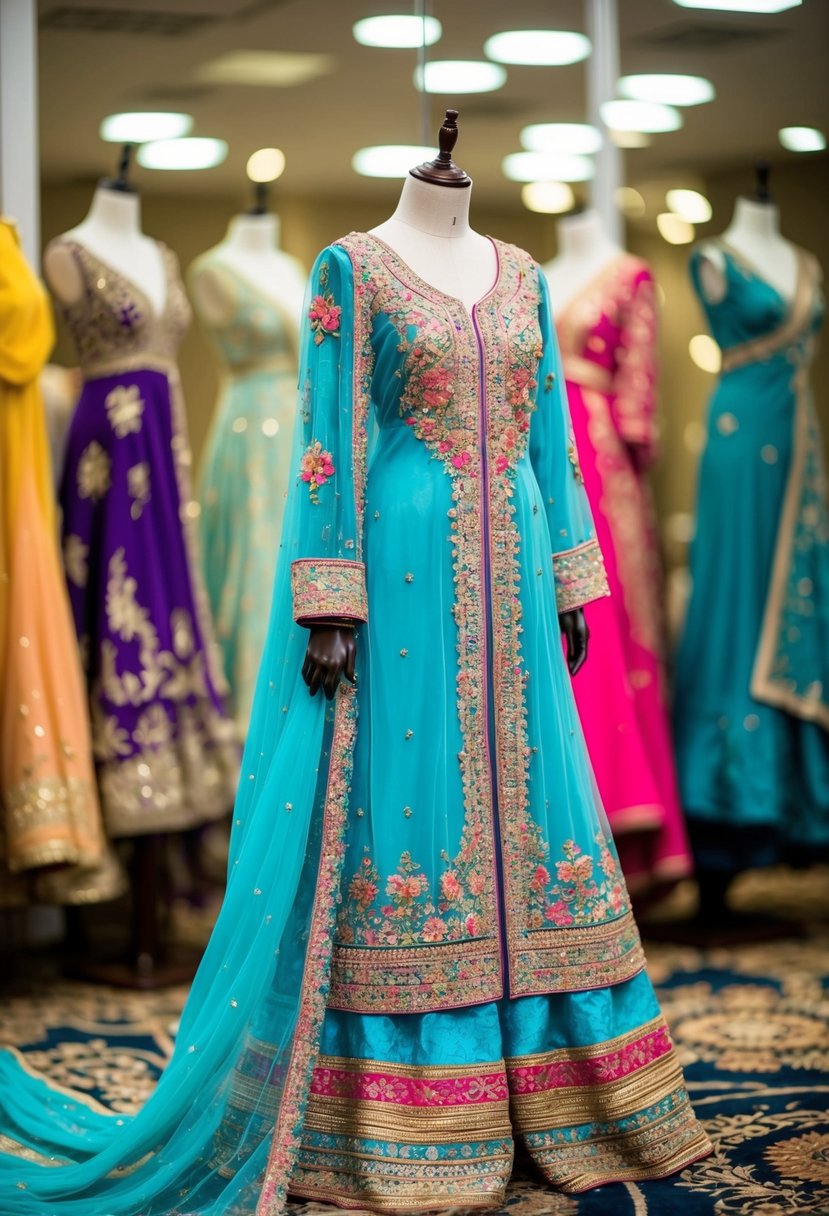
166 752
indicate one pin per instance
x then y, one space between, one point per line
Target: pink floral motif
316 468
324 316
574 896
450 887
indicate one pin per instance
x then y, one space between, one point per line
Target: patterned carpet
751 1026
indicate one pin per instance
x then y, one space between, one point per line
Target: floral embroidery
582 891
324 314
573 457
124 406
326 588
94 472
316 469
75 558
138 487
580 576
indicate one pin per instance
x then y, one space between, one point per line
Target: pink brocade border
417 1091
287 1134
597 1070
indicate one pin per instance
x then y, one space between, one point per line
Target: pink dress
608 345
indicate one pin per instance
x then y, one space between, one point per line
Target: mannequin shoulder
708 267
212 290
62 270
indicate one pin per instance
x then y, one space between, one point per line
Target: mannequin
251 248
430 231
754 234
112 232
584 251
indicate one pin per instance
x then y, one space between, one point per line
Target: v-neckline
157 315
746 265
417 281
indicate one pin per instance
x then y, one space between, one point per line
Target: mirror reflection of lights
390 160
689 205
577 137
646 117
802 139
742 6
544 48
140 126
450 76
705 353
549 198
187 154
629 201
630 139
674 229
397 30
266 165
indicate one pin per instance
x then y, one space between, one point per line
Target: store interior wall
190 224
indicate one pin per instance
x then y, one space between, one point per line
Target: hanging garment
50 812
608 344
244 478
167 755
752 672
426 949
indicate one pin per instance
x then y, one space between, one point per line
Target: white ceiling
768 71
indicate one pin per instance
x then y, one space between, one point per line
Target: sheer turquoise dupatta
219 1134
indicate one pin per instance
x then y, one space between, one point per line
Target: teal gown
426 952
245 472
752 673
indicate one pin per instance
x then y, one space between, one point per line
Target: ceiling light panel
690 205
646 117
390 160
182 154
802 139
266 165
271 69
673 90
397 30
547 167
578 137
741 6
140 126
449 76
538 48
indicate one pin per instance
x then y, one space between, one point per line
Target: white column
19 156
602 20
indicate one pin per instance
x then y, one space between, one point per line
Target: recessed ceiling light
547 167
705 353
671 89
675 230
742 6
643 116
194 153
802 139
690 205
578 137
269 69
397 30
390 160
266 165
629 201
139 126
451 76
542 48
550 198
630 139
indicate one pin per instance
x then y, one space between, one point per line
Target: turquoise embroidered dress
245 474
426 951
752 674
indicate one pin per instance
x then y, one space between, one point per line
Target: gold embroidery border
365 1119
541 952
342 595
479 958
590 580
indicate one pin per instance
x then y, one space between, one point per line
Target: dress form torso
585 250
251 249
111 232
430 231
754 234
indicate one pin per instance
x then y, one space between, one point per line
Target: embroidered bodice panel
114 321
258 331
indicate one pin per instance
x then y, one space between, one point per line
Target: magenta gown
608 345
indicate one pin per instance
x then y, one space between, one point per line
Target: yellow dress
51 836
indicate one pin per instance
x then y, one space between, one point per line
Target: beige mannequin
251 249
112 232
584 251
754 233
430 231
